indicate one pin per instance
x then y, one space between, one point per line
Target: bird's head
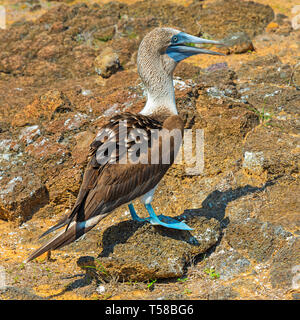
159 53
170 46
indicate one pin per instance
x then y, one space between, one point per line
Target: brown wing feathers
106 186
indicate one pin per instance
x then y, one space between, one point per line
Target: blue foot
165 221
162 220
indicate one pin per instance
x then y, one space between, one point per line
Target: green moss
212 273
105 38
150 285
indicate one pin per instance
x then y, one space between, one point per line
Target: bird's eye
175 39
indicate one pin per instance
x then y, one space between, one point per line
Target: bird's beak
181 49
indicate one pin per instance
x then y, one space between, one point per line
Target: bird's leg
133 213
164 220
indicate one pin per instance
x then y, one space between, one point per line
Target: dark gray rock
136 252
285 268
107 63
238 42
21 195
223 293
257 239
15 293
235 16
228 263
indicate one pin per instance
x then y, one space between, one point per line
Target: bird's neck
156 102
159 89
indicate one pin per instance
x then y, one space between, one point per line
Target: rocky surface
160 253
243 204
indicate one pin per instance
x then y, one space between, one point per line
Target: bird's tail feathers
64 237
66 220
60 224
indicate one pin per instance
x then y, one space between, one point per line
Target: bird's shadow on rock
214 206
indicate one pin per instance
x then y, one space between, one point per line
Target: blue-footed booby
109 181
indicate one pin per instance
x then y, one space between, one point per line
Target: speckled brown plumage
108 186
